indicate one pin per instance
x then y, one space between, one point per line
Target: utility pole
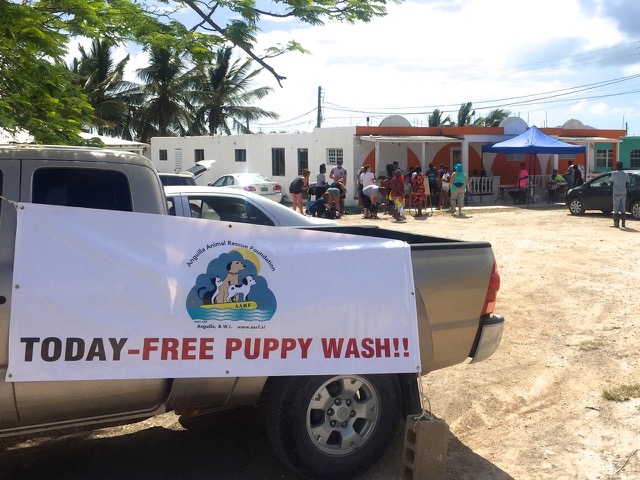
319 120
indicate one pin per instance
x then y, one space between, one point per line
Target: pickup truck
338 438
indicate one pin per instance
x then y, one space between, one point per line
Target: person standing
569 175
321 181
338 172
299 185
459 183
397 195
577 176
620 182
418 191
444 189
432 175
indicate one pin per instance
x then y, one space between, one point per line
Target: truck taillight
492 291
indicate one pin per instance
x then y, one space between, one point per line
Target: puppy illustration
242 289
207 296
233 269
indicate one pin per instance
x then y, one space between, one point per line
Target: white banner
111 295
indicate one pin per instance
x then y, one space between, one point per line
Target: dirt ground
534 410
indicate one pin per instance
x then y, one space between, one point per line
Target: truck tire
332 427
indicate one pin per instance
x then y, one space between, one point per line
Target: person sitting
553 185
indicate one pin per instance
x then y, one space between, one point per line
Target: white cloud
424 55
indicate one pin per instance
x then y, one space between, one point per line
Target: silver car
231 205
251 182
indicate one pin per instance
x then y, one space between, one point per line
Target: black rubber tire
575 205
309 418
634 208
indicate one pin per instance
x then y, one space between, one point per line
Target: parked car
251 182
183 178
597 194
232 205
188 176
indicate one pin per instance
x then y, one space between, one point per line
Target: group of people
329 197
448 188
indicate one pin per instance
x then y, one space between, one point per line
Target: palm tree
101 80
166 107
465 114
223 96
435 119
493 119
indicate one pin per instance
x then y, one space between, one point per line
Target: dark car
597 194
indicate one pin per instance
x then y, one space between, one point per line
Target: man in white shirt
338 172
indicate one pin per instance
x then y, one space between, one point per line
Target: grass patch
590 345
622 393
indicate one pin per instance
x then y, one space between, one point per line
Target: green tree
464 114
38 92
435 119
101 80
223 95
166 107
494 118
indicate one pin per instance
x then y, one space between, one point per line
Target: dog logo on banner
232 289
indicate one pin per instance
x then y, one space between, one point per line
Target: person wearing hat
458 185
620 182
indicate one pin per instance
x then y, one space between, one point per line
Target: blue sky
547 61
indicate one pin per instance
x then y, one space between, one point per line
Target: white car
232 205
251 182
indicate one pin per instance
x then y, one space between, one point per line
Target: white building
282 156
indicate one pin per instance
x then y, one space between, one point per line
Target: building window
516 157
277 162
604 158
333 155
634 155
163 155
303 160
198 154
241 155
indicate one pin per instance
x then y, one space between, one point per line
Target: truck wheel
635 209
333 427
576 207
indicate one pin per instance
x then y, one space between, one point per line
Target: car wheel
332 427
576 207
635 209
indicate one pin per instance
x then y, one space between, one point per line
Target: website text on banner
107 295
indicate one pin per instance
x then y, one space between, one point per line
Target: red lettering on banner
149 345
169 347
365 348
206 346
177 348
266 348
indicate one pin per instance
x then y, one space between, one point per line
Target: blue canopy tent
533 141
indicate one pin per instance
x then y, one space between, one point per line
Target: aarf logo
232 289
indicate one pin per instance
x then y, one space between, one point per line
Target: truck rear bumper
489 337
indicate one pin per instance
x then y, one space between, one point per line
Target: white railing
483 189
